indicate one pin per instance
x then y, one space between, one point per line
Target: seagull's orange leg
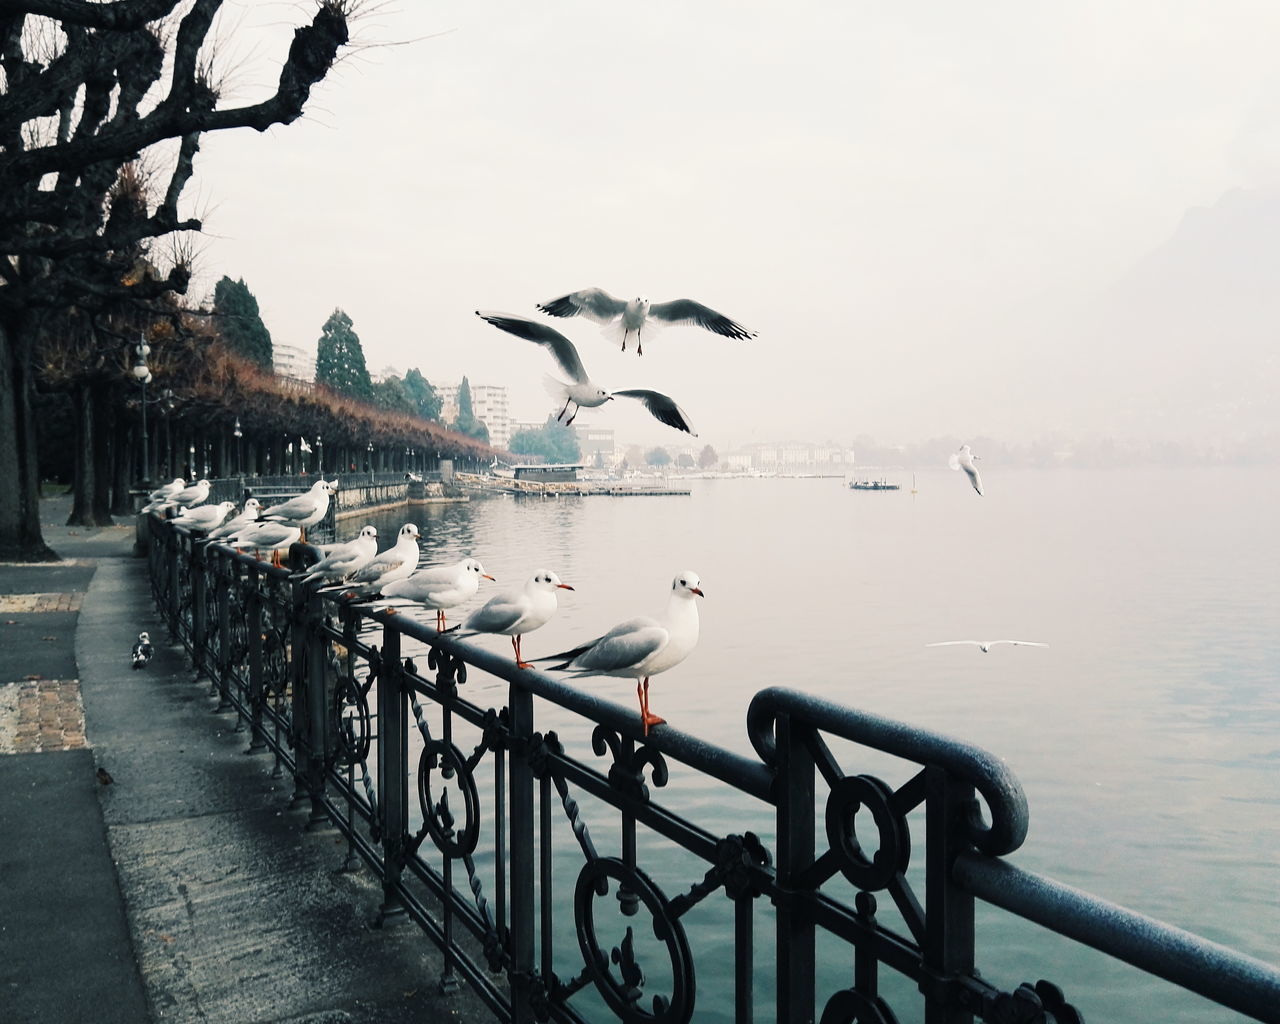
520 662
648 716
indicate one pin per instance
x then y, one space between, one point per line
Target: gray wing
594 303
375 569
686 311
548 337
1017 643
952 643
497 614
663 408
623 647
295 508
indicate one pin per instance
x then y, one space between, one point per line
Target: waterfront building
294 363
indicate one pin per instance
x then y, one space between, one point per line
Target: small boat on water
873 485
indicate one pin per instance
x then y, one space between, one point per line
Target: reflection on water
1145 735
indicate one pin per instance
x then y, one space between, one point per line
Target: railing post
948 947
393 774
253 630
796 943
298 679
224 583
317 707
521 837
174 547
199 612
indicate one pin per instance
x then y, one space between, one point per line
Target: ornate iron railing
538 859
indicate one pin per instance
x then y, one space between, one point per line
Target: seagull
623 318
441 587
306 509
203 517
162 495
985 645
344 559
142 651
963 459
516 612
252 508
266 536
583 392
642 647
196 494
396 563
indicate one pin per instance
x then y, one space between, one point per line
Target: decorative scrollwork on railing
437 817
890 859
450 670
624 998
1041 1003
626 774
743 866
352 723
850 1006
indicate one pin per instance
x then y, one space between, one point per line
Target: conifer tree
423 395
340 362
238 322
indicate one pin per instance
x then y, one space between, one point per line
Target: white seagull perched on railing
440 587
304 510
985 645
188 497
266 535
161 496
344 559
397 562
583 392
516 612
642 647
640 317
252 507
204 517
963 459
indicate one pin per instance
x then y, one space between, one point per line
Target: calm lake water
1146 736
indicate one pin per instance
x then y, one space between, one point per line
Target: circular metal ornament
353 726
593 881
436 815
890 859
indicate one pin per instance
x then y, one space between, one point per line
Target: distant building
293 362
596 441
488 404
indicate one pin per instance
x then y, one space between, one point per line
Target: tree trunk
82 456
20 537
104 424
123 475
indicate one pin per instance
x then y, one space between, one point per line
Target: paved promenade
150 870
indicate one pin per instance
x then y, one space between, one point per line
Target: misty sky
896 196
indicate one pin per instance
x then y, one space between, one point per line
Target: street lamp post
319 455
238 434
142 374
369 459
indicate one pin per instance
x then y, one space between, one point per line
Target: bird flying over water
584 392
985 645
516 612
440 587
963 459
642 647
142 651
638 316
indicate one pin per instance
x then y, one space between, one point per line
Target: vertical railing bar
317 705
744 959
544 875
948 947
520 702
796 941
393 757
253 632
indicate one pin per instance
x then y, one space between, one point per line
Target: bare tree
86 89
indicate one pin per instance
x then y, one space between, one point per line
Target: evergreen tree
657 457
238 322
340 359
553 441
392 395
424 397
466 423
707 457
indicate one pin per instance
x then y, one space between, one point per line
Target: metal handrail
327 688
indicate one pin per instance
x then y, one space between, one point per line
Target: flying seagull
963 459
642 647
985 645
440 587
640 317
516 612
583 392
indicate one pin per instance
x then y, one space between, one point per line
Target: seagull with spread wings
985 645
582 392
640 317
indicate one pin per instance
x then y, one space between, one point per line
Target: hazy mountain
1184 345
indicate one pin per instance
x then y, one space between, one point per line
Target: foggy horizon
1013 223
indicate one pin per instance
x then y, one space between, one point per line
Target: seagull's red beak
695 590
563 586
486 576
